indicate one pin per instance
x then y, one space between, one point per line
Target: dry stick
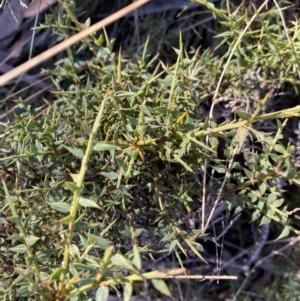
202 277
4 79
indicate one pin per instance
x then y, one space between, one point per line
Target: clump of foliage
125 166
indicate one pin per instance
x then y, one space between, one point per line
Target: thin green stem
75 202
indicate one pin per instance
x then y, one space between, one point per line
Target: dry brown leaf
36 6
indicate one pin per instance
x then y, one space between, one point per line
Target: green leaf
272 198
23 291
193 248
105 146
74 251
75 177
100 40
56 274
242 133
280 149
127 292
284 233
102 294
145 110
173 244
278 203
3 221
110 175
161 286
60 206
99 241
31 240
20 249
264 220
262 188
66 220
30 125
48 130
77 152
46 254
70 185
243 115
87 23
13 219
84 202
136 258
121 261
220 168
125 94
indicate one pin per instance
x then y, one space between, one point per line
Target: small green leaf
242 133
84 202
48 130
75 177
193 248
74 251
87 22
3 221
280 149
243 115
30 125
23 291
271 198
145 110
46 254
70 185
264 220
127 292
110 175
173 244
102 294
66 220
100 40
262 188
60 206
136 258
13 219
284 233
260 205
105 146
56 274
278 203
99 241
31 240
77 152
125 94
20 249
220 168
121 261
161 286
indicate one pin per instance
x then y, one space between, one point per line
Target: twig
4 79
202 277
